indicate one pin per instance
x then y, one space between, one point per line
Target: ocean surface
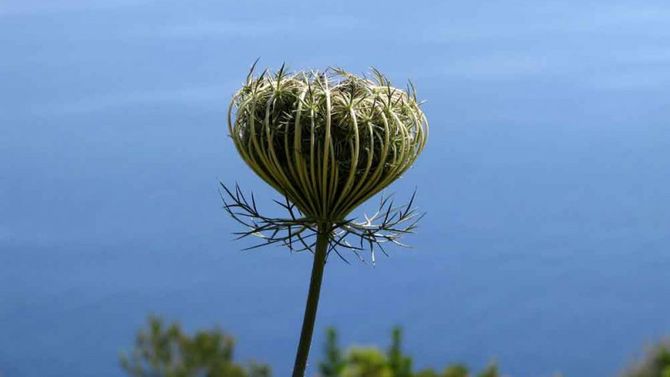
546 182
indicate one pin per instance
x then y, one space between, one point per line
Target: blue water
545 246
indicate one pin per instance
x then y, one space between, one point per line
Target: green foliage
427 373
366 362
456 370
371 362
259 370
490 371
166 351
333 364
401 365
656 363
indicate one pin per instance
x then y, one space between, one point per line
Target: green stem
312 300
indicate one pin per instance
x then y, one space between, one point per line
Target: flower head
329 140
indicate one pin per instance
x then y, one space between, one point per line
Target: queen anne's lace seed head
328 141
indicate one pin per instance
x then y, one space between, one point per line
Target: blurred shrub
372 362
333 361
400 364
490 371
426 373
166 351
366 362
656 363
456 370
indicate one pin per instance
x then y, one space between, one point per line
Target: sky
544 180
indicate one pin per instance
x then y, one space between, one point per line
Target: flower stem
312 300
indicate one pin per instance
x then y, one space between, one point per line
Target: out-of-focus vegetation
373 362
165 350
656 363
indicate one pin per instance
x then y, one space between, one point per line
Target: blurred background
545 180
